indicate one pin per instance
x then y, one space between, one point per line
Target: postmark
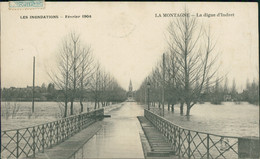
27 4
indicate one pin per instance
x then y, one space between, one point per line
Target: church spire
130 86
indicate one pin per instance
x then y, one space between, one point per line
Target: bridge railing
19 143
194 144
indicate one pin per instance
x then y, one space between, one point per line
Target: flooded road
119 136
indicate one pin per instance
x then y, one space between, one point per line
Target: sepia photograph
143 80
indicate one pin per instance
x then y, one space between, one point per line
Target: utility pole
163 84
33 84
145 92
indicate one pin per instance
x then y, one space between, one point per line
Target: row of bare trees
188 68
79 76
105 88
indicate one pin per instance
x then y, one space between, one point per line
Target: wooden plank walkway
159 147
67 149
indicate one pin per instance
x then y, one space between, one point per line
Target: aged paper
127 41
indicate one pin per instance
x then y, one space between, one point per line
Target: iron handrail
193 129
52 121
17 143
194 144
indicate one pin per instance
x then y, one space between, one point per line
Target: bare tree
190 69
61 77
171 69
105 88
75 65
86 71
193 47
104 83
74 69
95 85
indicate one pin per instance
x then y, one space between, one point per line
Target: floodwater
227 119
44 112
119 137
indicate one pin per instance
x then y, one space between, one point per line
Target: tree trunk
181 108
159 105
81 92
188 110
168 106
65 109
172 107
95 104
81 105
74 80
66 90
71 107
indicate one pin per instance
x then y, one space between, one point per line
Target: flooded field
44 112
226 119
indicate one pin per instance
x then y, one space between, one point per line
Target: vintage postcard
129 80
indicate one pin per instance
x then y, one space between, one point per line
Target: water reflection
119 136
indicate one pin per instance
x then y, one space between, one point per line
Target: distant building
130 90
130 93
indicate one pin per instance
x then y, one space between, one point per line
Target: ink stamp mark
26 4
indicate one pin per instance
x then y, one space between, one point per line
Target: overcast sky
126 38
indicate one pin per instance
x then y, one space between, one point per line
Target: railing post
82 120
174 140
85 118
248 147
57 130
79 122
51 134
75 127
62 128
43 138
179 145
67 128
71 126
33 141
207 146
189 138
95 114
17 146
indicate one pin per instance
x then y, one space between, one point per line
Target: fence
28 141
193 144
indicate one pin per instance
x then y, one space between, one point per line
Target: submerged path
68 148
119 136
